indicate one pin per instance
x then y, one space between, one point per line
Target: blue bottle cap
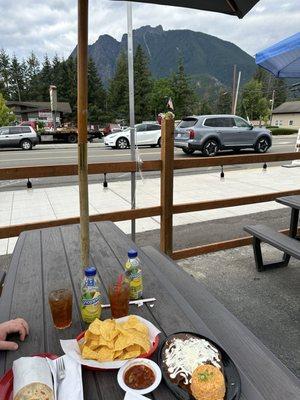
132 253
90 271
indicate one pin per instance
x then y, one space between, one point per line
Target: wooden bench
262 233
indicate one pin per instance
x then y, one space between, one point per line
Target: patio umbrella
283 58
238 8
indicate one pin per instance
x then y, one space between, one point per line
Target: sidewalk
18 207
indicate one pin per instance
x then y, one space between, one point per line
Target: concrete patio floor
42 204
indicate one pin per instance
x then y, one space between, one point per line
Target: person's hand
12 326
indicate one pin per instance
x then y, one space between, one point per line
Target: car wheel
188 151
159 142
72 138
122 143
262 145
210 148
26 144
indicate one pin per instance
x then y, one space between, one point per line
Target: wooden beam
82 114
212 247
123 215
46 171
166 184
232 202
183 163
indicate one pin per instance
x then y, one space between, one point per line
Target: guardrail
166 209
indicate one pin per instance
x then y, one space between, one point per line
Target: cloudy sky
50 26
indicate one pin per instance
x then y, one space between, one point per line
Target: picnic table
294 203
48 259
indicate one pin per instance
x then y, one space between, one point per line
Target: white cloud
51 27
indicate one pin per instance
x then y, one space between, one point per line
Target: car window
221 122
4 131
214 122
153 127
240 123
26 129
15 130
187 123
141 128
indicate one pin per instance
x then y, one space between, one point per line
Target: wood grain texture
263 375
46 171
166 185
49 259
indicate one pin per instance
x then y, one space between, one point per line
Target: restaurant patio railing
166 209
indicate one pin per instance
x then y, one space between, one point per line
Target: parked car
211 133
18 136
146 135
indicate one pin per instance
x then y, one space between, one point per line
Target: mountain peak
202 54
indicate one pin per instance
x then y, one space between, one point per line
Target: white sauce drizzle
184 356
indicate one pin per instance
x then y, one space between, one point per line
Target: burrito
32 379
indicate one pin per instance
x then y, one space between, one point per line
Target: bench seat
262 233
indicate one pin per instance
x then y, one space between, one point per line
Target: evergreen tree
6 115
223 105
142 86
17 80
96 95
161 91
184 96
45 79
33 81
4 73
118 101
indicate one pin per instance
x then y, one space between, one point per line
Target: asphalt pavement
58 154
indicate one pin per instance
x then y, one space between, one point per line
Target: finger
22 331
4 345
25 324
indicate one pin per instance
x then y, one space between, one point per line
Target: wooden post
82 111
166 188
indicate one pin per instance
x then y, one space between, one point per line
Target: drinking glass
60 302
119 299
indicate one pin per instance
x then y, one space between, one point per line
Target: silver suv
18 136
211 133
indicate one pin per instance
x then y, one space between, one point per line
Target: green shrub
283 131
272 126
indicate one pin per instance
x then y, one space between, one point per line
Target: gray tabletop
290 201
48 259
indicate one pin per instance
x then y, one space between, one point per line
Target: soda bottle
90 305
133 273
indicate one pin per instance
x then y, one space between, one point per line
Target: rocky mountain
206 58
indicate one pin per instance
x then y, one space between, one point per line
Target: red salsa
139 377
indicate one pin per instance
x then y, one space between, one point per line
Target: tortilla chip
105 354
89 354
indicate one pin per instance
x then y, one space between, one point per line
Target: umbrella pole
131 109
82 110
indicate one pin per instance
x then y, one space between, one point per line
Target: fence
166 209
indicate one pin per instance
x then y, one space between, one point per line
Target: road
57 154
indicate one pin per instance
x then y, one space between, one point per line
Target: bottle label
91 302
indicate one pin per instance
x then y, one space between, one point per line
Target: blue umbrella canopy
233 7
283 58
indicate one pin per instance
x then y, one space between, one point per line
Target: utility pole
53 102
272 106
237 93
233 89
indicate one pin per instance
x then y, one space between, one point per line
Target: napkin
134 396
71 386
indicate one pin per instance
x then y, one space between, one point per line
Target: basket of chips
109 344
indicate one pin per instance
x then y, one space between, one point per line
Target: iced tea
119 299
61 308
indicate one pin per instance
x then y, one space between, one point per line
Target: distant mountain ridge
205 57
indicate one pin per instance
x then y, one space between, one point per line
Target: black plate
232 377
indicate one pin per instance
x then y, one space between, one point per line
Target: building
39 111
287 115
